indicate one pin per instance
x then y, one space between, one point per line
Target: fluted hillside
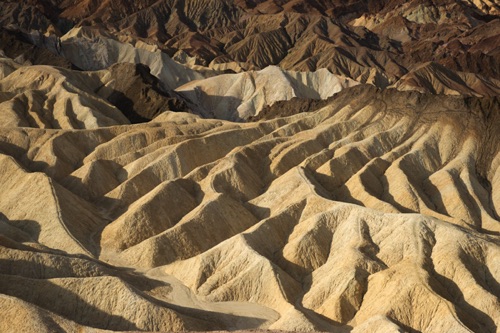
368 41
377 211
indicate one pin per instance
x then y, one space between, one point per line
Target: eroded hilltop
378 210
239 165
364 40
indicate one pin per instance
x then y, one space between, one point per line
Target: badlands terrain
215 165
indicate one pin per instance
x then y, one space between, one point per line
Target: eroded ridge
376 211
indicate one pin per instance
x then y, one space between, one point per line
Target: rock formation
377 209
240 96
250 165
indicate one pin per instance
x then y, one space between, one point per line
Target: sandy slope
53 97
366 211
378 211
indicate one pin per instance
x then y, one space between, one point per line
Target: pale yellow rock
376 212
49 97
240 96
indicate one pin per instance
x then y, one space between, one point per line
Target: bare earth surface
379 209
313 166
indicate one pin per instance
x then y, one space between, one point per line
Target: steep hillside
250 165
377 210
54 97
364 40
237 97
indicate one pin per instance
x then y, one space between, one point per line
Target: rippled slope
376 211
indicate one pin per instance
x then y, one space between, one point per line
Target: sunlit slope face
377 210
50 97
300 165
